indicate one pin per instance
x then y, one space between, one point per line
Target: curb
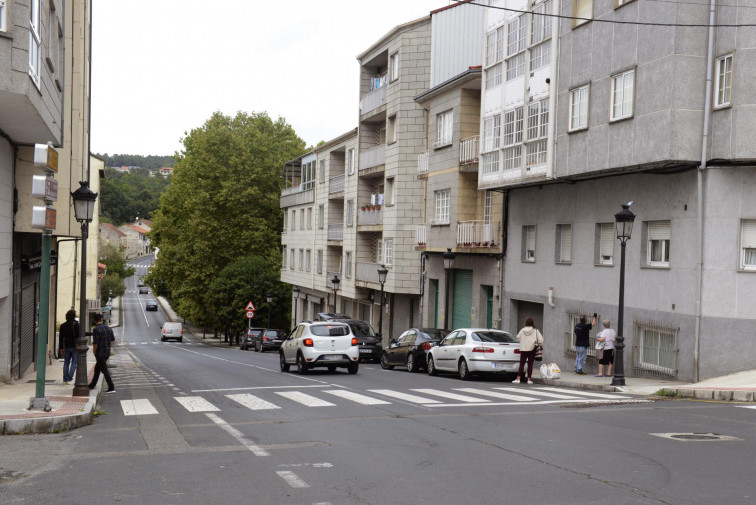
607 388
711 394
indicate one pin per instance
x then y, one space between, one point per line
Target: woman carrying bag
530 339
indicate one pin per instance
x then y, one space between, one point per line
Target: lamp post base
40 404
618 381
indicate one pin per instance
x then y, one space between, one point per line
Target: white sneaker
530 381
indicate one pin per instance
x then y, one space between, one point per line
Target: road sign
250 306
250 314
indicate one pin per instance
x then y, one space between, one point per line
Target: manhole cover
696 437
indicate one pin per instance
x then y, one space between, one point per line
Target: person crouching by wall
528 337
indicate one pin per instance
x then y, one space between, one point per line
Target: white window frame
348 264
651 350
444 128
442 204
579 100
581 9
528 243
35 40
605 244
349 218
540 55
350 161
723 84
748 245
658 238
492 133
3 16
563 243
490 162
540 25
516 45
513 126
321 216
388 251
536 149
394 66
512 158
622 95
488 206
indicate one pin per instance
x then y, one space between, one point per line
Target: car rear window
327 330
253 333
275 333
434 334
362 330
492 336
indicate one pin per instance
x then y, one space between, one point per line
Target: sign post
250 310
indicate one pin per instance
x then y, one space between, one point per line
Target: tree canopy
222 205
117 271
150 162
125 196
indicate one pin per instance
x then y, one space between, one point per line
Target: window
657 349
309 218
490 162
620 3
657 243
488 207
512 158
308 260
321 174
540 25
388 251
492 132
389 191
528 243
319 265
308 175
513 123
348 265
321 216
293 220
579 108
516 42
301 219
604 244
3 16
494 56
538 129
283 257
35 40
350 161
622 95
582 9
563 243
394 67
444 128
724 81
349 218
443 200
494 75
540 55
391 130
748 244
301 259
285 221
292 259
54 42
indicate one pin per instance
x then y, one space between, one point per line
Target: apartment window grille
528 243
321 217
579 108
622 95
348 265
656 349
723 81
604 244
349 218
563 243
513 124
444 123
321 173
540 25
490 162
309 218
350 161
492 132
572 318
319 261
394 67
748 244
540 55
301 259
443 202
512 158
488 207
657 239
308 260
582 9
35 41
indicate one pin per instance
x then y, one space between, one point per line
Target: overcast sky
161 67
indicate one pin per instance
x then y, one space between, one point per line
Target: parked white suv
320 344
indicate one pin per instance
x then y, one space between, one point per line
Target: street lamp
84 203
335 283
382 273
448 267
269 299
295 290
624 222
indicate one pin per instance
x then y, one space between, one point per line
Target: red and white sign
250 314
250 306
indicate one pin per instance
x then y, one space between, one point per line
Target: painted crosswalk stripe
356 397
538 392
494 394
292 479
252 402
141 407
451 396
403 396
585 393
196 404
305 399
747 406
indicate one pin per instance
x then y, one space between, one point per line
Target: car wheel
431 366
258 346
331 368
412 365
181 339
464 372
284 364
353 367
385 362
162 339
301 365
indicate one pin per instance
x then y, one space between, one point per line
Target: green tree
222 205
117 271
125 196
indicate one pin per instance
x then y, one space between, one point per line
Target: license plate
366 351
332 357
277 341
504 366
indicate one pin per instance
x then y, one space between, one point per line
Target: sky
162 67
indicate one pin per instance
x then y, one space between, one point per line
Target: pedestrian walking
529 337
101 337
582 340
608 336
68 333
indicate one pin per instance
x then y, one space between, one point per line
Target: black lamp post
269 299
84 203
382 273
335 283
624 223
448 267
295 291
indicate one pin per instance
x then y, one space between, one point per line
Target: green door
489 306
462 310
434 294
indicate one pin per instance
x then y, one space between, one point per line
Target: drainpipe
503 255
699 191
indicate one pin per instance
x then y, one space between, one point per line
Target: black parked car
329 316
267 339
151 306
249 340
369 343
410 348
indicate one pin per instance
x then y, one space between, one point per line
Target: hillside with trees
150 162
124 196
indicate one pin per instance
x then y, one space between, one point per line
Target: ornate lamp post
335 283
295 291
269 299
624 223
382 273
84 203
448 267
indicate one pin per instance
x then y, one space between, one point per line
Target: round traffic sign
250 314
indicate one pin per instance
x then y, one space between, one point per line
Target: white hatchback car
320 344
467 351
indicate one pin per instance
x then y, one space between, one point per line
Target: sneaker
110 392
580 372
530 381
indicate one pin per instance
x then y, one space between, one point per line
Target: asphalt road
197 424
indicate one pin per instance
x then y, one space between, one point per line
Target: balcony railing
421 235
369 217
373 157
373 100
336 231
469 149
422 163
477 234
367 272
292 190
336 184
329 276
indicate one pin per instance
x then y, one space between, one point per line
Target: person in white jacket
528 337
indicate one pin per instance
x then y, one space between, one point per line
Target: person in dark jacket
102 335
69 332
582 341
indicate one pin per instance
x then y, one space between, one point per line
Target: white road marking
314 465
196 404
292 479
538 392
238 435
252 388
746 406
494 394
252 402
305 399
451 396
141 407
404 396
356 397
584 393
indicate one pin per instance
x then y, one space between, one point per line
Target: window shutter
606 247
565 246
658 230
749 234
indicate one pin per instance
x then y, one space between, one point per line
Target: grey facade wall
6 258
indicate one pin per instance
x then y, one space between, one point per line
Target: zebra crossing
272 400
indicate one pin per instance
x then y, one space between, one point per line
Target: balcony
297 195
367 272
336 232
373 157
477 234
373 100
329 276
370 217
336 184
422 163
421 235
469 149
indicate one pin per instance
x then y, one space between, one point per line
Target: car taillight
164 331
517 351
426 346
182 331
266 339
482 349
308 342
354 340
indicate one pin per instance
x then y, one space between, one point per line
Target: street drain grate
697 437
588 405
